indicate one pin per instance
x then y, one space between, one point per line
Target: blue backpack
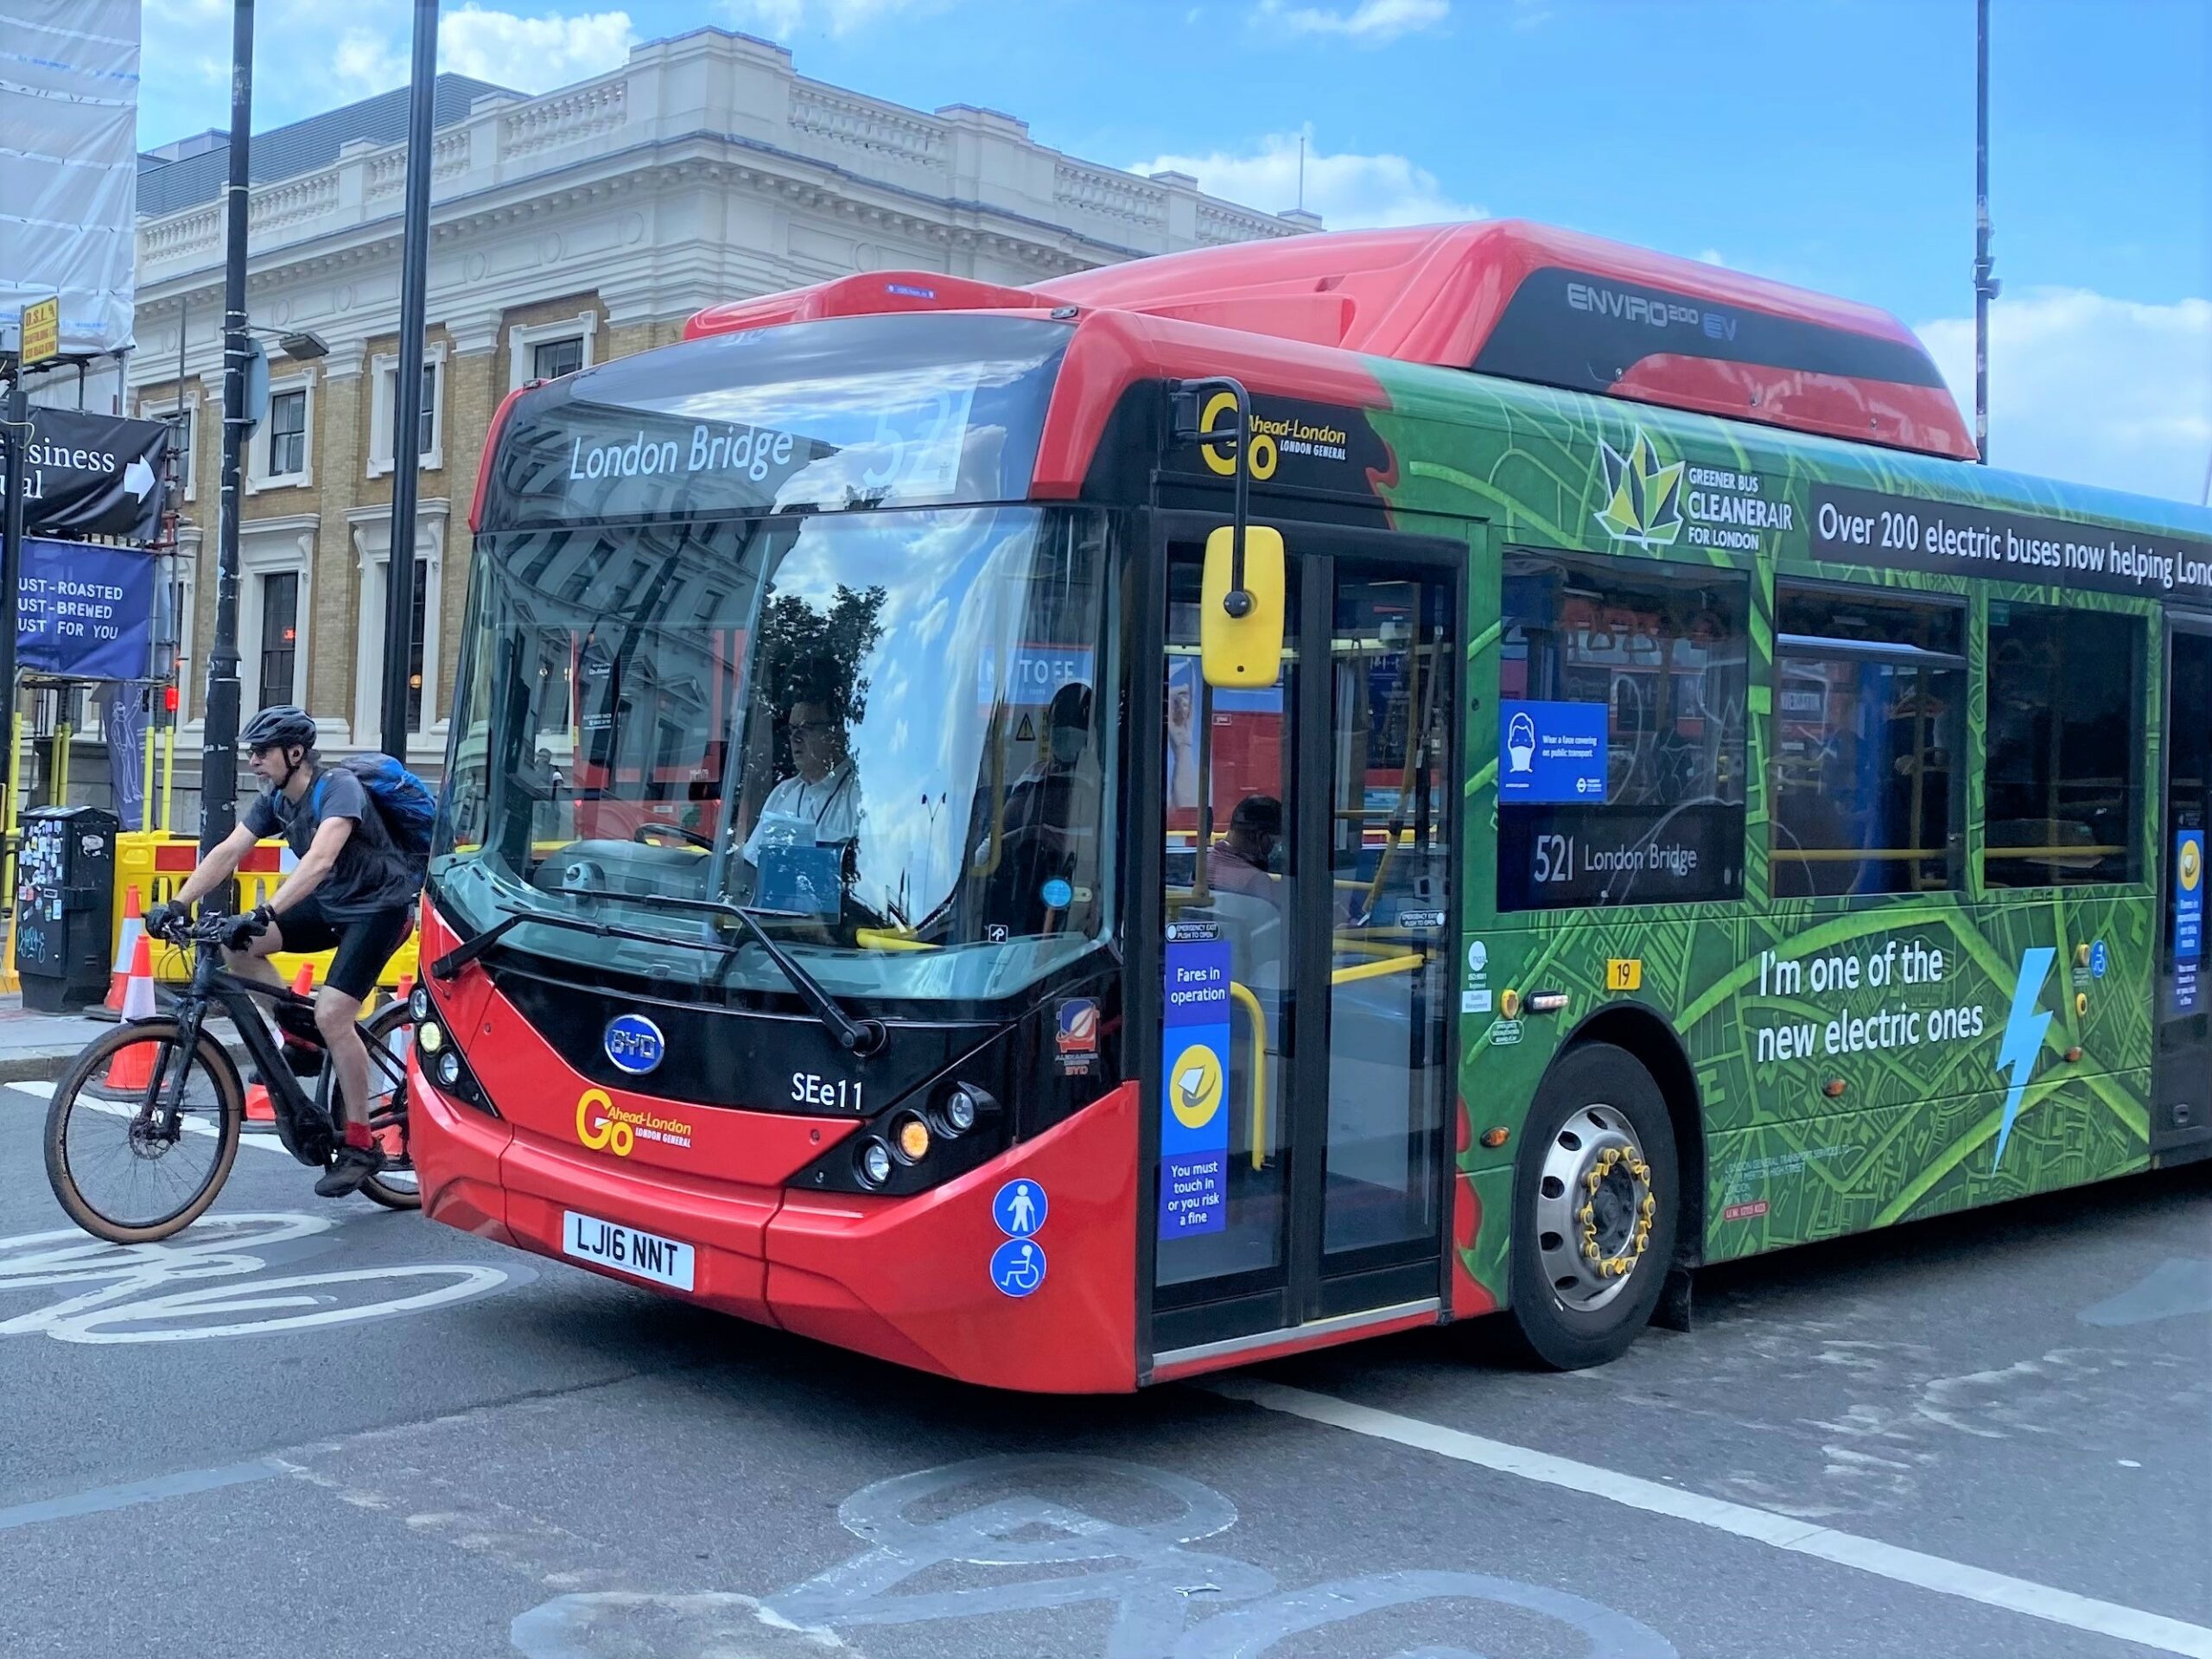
404 802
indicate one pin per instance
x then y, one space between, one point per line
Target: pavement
35 1046
303 1425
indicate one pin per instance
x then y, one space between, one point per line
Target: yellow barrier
157 864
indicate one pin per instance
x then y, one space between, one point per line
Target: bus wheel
1594 1206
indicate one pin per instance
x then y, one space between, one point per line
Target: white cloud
1347 190
2095 390
1371 22
308 56
1713 256
366 61
532 55
784 18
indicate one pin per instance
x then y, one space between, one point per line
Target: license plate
627 1249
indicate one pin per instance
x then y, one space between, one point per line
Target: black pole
12 566
219 755
1985 289
407 401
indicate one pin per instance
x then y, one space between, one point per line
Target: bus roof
1503 297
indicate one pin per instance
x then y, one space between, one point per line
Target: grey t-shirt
370 875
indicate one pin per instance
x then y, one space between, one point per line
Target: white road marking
1761 1525
251 1135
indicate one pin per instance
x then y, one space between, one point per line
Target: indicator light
1494 1138
913 1139
430 1039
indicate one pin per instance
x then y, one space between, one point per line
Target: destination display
1868 527
815 417
1553 856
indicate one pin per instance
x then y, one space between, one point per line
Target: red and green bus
1075 836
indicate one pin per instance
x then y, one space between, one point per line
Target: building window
548 350
2063 747
183 422
1620 732
288 434
1869 705
551 358
426 419
280 615
383 413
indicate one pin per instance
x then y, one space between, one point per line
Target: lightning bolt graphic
2023 1036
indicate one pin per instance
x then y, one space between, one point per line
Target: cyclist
352 890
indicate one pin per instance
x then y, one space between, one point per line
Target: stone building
568 229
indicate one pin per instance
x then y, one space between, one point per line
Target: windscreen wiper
858 1037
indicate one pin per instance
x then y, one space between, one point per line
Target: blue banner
84 611
2188 919
1551 751
1194 1090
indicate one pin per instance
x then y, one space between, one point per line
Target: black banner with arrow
94 474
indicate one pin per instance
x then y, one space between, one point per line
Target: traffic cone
305 1058
132 1067
257 1109
134 929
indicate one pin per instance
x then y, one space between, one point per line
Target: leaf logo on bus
1643 500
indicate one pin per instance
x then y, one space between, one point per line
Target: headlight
874 1163
428 1037
448 1066
959 1111
418 1003
913 1139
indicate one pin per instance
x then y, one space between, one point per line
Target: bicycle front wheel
140 1135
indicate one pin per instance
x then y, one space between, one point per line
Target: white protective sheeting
69 164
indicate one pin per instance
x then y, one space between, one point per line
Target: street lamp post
414 281
218 761
1986 286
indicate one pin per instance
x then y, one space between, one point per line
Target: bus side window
2062 757
1869 713
1620 732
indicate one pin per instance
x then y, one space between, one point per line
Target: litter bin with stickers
65 898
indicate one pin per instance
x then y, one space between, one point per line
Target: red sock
357 1134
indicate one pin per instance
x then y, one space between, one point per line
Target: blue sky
1826 143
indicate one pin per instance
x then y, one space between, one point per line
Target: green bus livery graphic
1860 1058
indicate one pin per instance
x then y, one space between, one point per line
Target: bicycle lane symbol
1155 1579
134 1296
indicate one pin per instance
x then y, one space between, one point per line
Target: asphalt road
1984 1438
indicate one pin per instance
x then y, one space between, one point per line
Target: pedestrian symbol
1020 1208
1018 1267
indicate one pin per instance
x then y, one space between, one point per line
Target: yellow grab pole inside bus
146 785
168 769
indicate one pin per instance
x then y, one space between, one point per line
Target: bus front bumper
907 1280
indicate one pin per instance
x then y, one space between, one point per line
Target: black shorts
364 945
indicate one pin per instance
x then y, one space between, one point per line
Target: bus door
1298 1102
2182 1114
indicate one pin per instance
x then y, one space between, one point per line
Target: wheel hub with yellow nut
1594 1207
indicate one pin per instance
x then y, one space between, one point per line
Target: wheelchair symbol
1018 1267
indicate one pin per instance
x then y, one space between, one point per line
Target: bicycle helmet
285 725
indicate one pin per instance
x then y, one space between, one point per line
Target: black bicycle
144 1125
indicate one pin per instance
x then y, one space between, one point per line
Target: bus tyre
1594 1207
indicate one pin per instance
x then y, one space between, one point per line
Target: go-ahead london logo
1643 498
